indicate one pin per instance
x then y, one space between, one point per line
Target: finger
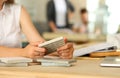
72 50
42 54
39 53
71 53
35 57
67 50
65 39
42 50
70 57
36 53
67 55
64 51
67 46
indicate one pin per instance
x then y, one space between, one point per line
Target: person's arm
11 52
65 52
71 10
32 50
28 28
50 15
52 26
70 6
34 38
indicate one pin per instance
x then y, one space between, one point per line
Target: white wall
78 4
36 8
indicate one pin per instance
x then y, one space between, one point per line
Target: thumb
65 39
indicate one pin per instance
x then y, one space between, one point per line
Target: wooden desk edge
22 74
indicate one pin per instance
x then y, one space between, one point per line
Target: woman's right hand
33 51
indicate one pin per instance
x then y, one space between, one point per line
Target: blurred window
92 6
114 18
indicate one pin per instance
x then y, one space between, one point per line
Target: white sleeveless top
61 10
10 32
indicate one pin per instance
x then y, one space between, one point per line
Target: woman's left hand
66 52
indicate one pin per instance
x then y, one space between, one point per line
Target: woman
13 20
57 14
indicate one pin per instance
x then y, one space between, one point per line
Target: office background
103 14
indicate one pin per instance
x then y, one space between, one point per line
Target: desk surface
75 37
87 68
70 37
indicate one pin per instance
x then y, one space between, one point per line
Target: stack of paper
15 61
56 62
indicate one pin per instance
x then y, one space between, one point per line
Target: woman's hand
66 52
33 51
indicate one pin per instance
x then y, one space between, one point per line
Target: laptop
111 61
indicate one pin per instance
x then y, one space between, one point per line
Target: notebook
53 45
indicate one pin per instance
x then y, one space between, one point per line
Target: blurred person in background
58 14
82 27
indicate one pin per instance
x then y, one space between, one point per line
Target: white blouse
61 10
10 32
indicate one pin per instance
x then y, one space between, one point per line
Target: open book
102 47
